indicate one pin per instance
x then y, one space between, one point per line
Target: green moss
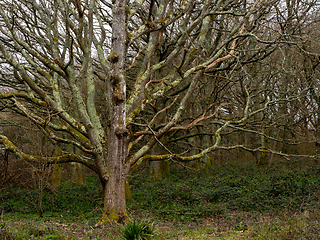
113 57
204 32
127 190
113 216
128 10
192 52
163 20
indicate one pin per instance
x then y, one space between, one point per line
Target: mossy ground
228 202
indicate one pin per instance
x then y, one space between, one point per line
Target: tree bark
114 188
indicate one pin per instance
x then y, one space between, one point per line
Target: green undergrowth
226 202
69 201
186 196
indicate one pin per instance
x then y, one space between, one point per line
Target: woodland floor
226 202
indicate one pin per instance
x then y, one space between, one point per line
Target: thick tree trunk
114 188
317 144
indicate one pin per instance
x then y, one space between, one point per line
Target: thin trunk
159 169
76 173
208 158
285 132
56 169
263 159
274 147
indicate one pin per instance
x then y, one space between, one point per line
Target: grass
229 202
137 230
299 226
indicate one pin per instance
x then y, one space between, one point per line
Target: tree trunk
114 187
114 191
317 144
159 169
263 158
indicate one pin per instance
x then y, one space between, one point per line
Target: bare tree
90 73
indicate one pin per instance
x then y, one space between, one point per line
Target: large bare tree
98 75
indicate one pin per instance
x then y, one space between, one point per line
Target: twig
133 60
